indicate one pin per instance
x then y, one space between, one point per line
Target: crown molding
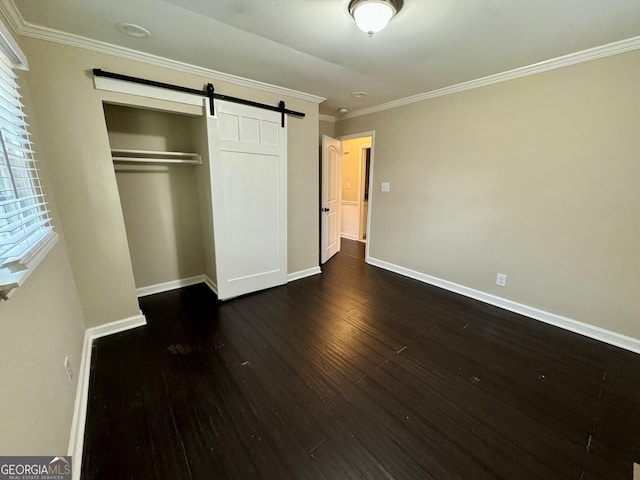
595 53
11 49
11 13
28 29
326 118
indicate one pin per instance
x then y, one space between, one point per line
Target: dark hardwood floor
357 373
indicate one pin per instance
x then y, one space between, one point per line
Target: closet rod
207 92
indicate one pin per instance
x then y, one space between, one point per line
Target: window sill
10 281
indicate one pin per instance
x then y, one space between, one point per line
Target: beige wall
205 201
69 110
146 129
327 128
537 178
159 202
42 323
162 219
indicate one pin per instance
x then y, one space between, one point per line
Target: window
26 232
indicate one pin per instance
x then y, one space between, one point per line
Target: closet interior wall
161 202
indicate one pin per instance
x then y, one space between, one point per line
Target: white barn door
248 155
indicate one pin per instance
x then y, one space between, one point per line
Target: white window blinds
25 226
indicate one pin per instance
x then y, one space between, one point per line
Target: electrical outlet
386 187
67 368
501 280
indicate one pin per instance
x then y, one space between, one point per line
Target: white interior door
331 197
248 155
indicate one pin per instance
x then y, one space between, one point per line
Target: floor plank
357 373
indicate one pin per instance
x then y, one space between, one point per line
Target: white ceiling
313 45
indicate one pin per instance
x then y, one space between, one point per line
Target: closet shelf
152 156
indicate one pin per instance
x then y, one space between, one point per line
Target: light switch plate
386 187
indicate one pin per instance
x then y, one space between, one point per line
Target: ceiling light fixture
133 30
371 16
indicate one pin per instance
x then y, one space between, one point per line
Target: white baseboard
211 284
166 286
117 326
597 333
349 236
303 274
76 439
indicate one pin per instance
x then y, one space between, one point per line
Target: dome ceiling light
133 30
371 16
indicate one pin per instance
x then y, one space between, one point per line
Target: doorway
356 179
350 158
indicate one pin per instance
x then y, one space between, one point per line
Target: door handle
324 209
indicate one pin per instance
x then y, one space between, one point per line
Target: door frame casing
362 175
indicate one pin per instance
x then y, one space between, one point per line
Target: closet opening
160 161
